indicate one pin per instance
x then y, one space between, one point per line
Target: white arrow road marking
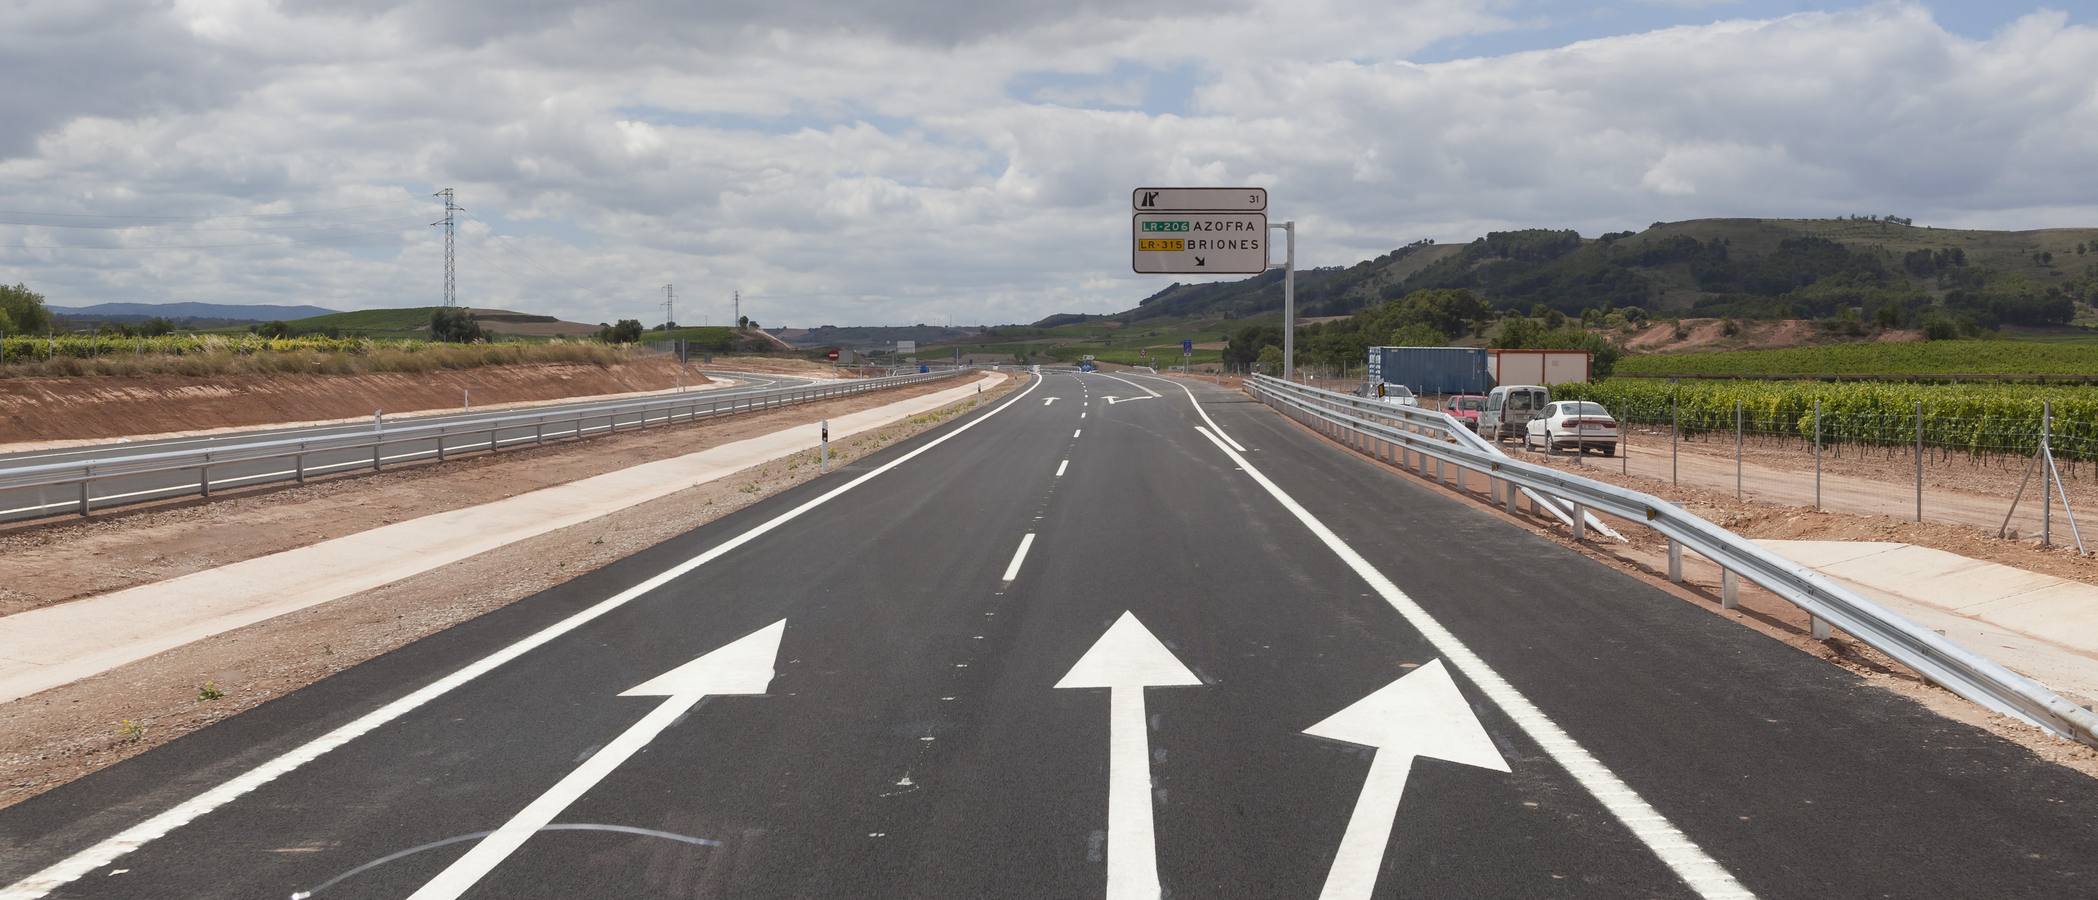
1111 400
1420 714
1133 384
1126 660
742 667
1048 400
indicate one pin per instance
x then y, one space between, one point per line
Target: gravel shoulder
62 734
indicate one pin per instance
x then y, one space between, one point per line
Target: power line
120 226
362 238
310 212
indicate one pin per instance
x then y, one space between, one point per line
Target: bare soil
56 736
42 564
1750 334
1974 492
48 409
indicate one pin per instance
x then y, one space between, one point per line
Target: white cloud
890 162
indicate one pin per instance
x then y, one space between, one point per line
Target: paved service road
30 503
1067 647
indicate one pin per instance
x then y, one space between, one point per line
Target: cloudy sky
899 161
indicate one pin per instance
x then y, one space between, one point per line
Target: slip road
1182 650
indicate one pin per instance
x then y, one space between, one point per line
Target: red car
1464 408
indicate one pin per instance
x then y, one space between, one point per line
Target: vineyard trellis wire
1981 422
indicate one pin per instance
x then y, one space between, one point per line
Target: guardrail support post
1818 628
440 447
1509 488
301 460
491 439
204 480
539 433
1580 522
1675 561
375 457
83 498
1729 589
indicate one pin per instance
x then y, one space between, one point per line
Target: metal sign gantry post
1289 300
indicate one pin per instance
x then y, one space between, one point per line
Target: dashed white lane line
1078 432
71 868
1060 467
1012 569
1689 861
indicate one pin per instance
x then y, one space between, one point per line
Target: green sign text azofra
1179 225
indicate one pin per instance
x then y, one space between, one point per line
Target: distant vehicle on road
1395 394
1579 424
1509 408
1465 408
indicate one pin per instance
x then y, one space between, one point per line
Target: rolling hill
188 310
1754 268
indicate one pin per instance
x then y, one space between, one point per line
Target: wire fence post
1919 460
1675 434
1817 454
1737 449
2046 475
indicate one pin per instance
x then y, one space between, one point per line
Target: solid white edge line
1682 855
1213 426
108 849
1012 569
1060 467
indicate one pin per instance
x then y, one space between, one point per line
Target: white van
1509 409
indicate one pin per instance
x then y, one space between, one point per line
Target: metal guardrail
485 433
1932 655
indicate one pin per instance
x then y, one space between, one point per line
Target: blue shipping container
1431 370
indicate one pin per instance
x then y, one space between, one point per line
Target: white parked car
1579 424
1396 394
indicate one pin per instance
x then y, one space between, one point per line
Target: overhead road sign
1199 199
1199 243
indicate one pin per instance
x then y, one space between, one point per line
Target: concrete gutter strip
2040 626
44 648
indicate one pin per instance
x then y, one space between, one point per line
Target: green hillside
405 322
1884 269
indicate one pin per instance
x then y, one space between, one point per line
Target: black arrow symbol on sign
1200 261
1150 198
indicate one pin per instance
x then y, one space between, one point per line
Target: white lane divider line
1012 569
1060 467
1081 415
1689 861
71 868
1078 432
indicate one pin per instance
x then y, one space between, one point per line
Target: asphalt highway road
30 503
1079 645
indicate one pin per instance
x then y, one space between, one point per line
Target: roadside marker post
823 464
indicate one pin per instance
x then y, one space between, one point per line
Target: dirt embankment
47 409
1749 334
